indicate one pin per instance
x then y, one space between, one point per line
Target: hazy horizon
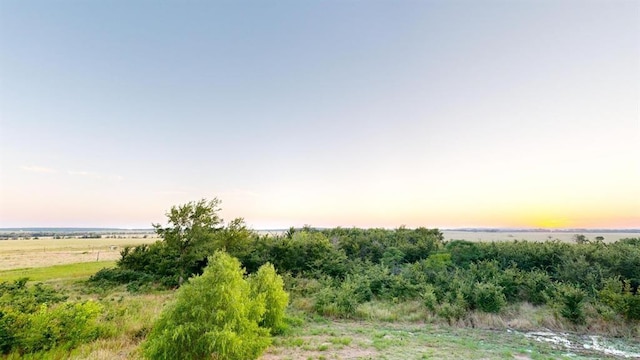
489 114
498 230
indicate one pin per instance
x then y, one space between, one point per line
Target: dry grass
532 235
128 318
20 254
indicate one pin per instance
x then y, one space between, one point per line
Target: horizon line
468 228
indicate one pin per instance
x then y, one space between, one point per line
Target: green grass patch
58 272
405 340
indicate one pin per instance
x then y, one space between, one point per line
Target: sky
329 113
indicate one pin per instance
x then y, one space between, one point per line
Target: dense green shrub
536 287
66 325
340 301
371 244
463 253
109 277
27 299
429 298
268 284
213 316
193 232
36 318
376 277
488 297
570 301
618 295
455 309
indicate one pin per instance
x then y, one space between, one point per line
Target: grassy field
56 272
325 339
20 254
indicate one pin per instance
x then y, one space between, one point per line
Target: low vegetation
228 287
38 318
220 314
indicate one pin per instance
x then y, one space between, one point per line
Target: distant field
531 236
20 254
56 272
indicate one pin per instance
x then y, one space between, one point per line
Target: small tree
580 239
213 317
268 284
489 297
190 234
571 303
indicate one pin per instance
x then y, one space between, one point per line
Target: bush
35 318
429 298
536 286
342 300
618 295
463 253
109 277
213 316
67 326
268 284
570 300
488 297
453 310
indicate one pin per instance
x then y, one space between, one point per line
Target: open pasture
19 254
74 271
533 235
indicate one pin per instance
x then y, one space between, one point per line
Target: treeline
341 268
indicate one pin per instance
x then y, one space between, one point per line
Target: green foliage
618 295
27 299
429 298
536 287
371 244
488 297
190 233
236 239
455 309
342 268
67 325
268 284
193 232
213 316
336 301
305 251
35 318
570 300
109 277
463 253
392 257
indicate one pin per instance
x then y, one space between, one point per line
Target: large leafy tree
190 234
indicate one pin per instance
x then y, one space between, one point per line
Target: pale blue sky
366 113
